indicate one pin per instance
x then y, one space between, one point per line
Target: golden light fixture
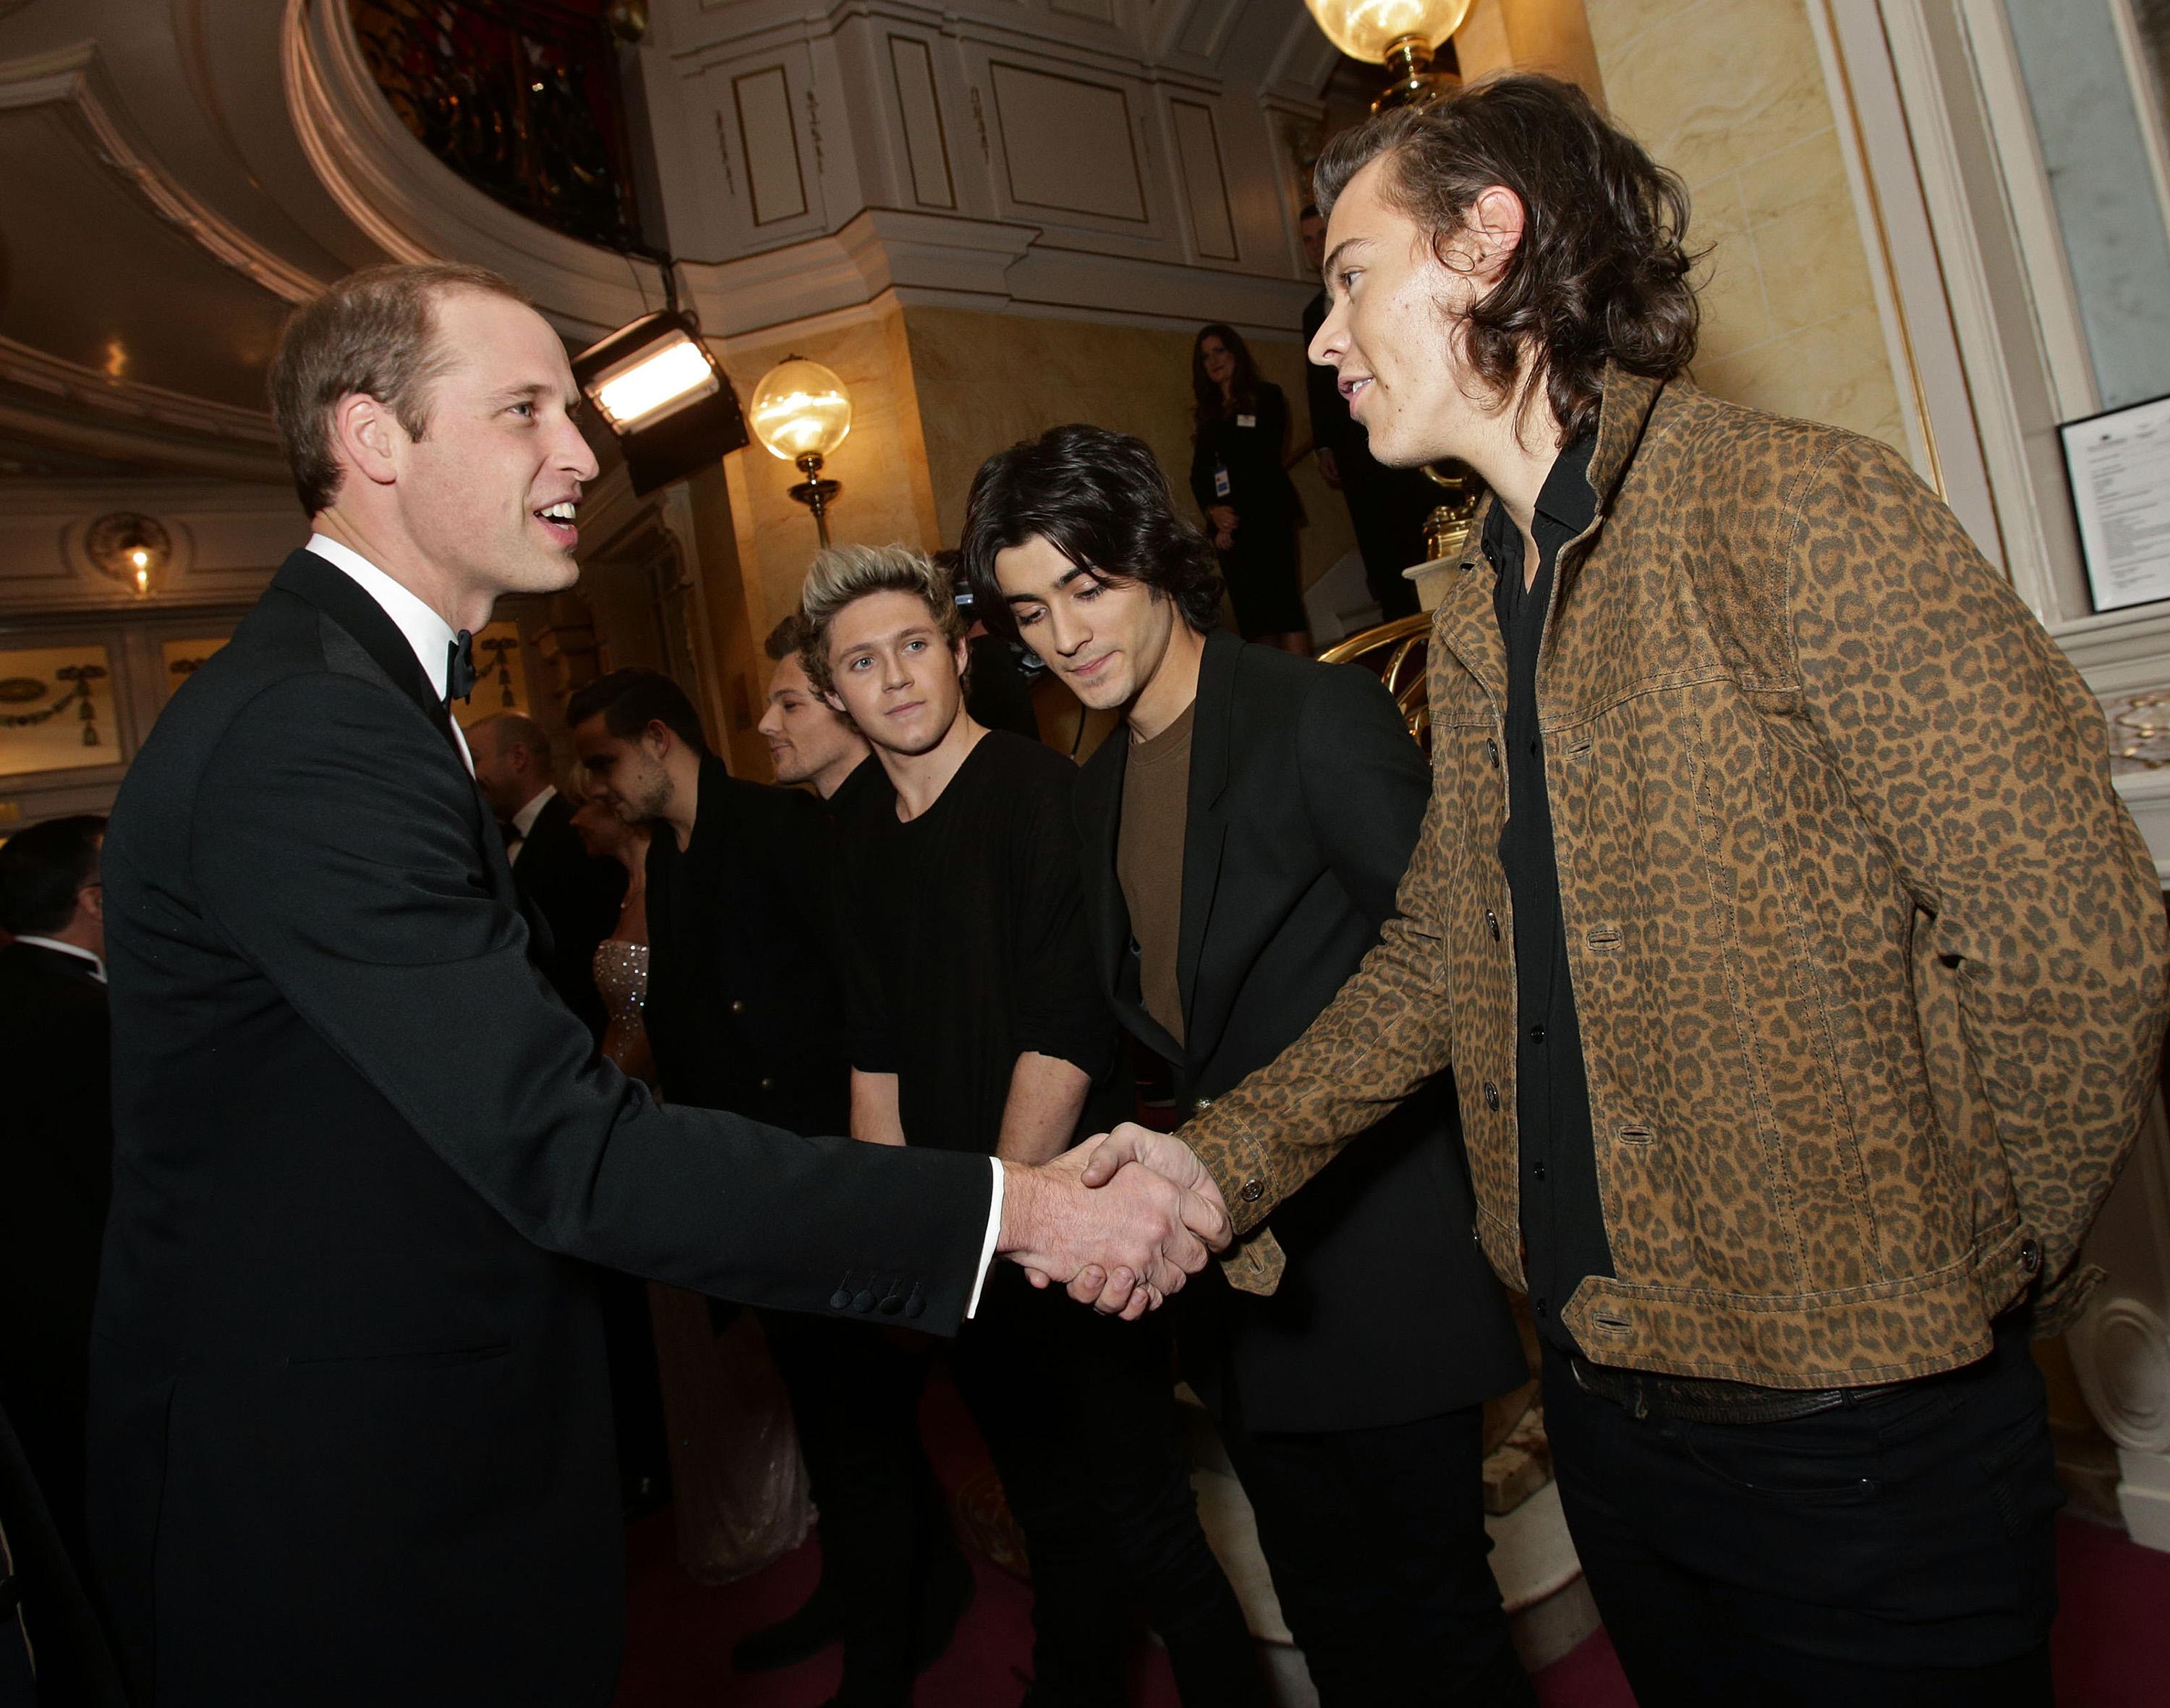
801 412
1400 33
132 549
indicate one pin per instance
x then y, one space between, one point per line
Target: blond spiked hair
840 575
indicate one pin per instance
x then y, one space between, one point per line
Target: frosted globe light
1368 28
800 409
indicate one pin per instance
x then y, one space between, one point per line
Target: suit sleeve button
863 1300
890 1305
1253 1189
916 1304
839 1300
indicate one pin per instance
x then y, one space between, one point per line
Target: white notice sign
2118 464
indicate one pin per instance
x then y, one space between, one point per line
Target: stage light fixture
658 390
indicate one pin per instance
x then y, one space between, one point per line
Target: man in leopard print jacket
1802 976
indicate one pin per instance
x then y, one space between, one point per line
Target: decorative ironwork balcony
521 97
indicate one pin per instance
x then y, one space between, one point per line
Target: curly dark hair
1601 272
1209 407
1101 500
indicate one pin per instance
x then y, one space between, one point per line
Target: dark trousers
1078 1411
1896 1552
888 1552
1378 1545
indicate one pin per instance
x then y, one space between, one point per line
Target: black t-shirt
963 943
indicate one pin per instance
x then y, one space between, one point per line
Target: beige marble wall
985 381
1731 95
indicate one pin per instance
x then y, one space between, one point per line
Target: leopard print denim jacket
1869 957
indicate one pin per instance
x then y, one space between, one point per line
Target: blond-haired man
975 1021
349 1429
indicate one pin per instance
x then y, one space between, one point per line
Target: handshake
1122 1220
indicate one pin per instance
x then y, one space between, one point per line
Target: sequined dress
622 979
740 1491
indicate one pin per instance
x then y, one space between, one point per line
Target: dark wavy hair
1601 272
1207 394
1100 498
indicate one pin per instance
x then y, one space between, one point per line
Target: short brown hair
1601 272
787 638
373 332
843 575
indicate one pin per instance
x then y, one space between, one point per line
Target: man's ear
1493 230
91 899
658 739
367 436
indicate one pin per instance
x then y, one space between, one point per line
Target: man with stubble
974 1022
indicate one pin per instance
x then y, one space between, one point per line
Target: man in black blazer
577 894
349 1439
1243 835
743 1009
56 1144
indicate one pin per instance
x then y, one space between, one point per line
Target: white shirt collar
427 633
97 963
524 820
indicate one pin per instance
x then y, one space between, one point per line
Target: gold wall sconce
1402 34
802 413
132 548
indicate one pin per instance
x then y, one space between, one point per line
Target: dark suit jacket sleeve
334 845
1201 470
1365 783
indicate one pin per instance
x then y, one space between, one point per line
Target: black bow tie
459 668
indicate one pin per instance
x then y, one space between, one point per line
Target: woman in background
739 1492
1238 476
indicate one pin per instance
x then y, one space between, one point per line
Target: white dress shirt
427 633
97 967
432 637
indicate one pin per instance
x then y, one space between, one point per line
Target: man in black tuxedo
1387 506
56 1144
577 894
350 1437
1242 836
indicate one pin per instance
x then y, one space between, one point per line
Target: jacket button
890 1305
1253 1189
1199 1105
916 1304
2030 1256
768 1084
839 1300
738 1005
863 1300
1492 924
1491 1095
1492 752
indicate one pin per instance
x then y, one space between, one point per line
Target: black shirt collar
1566 505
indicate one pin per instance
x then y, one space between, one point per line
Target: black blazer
578 897
55 1174
1306 796
744 1009
350 1428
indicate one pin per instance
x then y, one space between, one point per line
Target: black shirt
963 943
1563 1215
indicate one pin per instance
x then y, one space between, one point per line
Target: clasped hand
1121 1221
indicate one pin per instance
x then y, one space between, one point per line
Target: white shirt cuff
987 1245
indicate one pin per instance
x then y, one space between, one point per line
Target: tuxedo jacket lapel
341 599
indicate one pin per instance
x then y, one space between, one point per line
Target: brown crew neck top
1149 862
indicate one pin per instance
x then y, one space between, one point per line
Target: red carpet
2111 1641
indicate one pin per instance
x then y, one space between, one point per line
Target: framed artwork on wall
2118 464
